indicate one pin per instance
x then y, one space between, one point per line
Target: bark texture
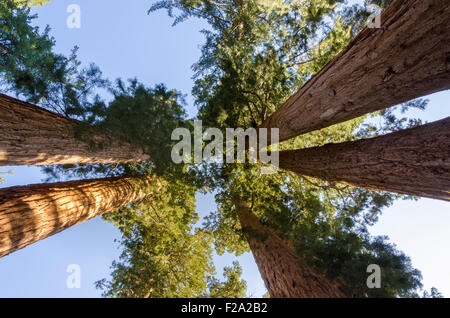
31 135
408 57
413 161
31 213
284 273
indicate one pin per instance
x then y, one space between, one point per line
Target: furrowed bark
31 135
408 57
284 274
31 213
414 161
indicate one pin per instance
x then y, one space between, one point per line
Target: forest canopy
255 55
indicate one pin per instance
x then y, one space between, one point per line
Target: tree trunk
408 57
30 135
31 213
284 273
414 161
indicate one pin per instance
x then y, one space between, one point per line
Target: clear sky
125 42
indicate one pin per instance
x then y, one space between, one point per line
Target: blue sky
125 42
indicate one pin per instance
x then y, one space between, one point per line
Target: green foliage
144 116
256 55
163 255
31 70
347 256
232 287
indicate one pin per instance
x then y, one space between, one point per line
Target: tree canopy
163 254
256 54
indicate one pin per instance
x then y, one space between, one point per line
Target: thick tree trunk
414 161
408 57
284 273
30 135
31 213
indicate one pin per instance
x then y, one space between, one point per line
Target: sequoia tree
32 70
284 274
408 57
413 161
31 213
32 135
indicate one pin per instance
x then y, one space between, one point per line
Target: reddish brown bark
413 161
31 213
284 273
31 135
408 57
